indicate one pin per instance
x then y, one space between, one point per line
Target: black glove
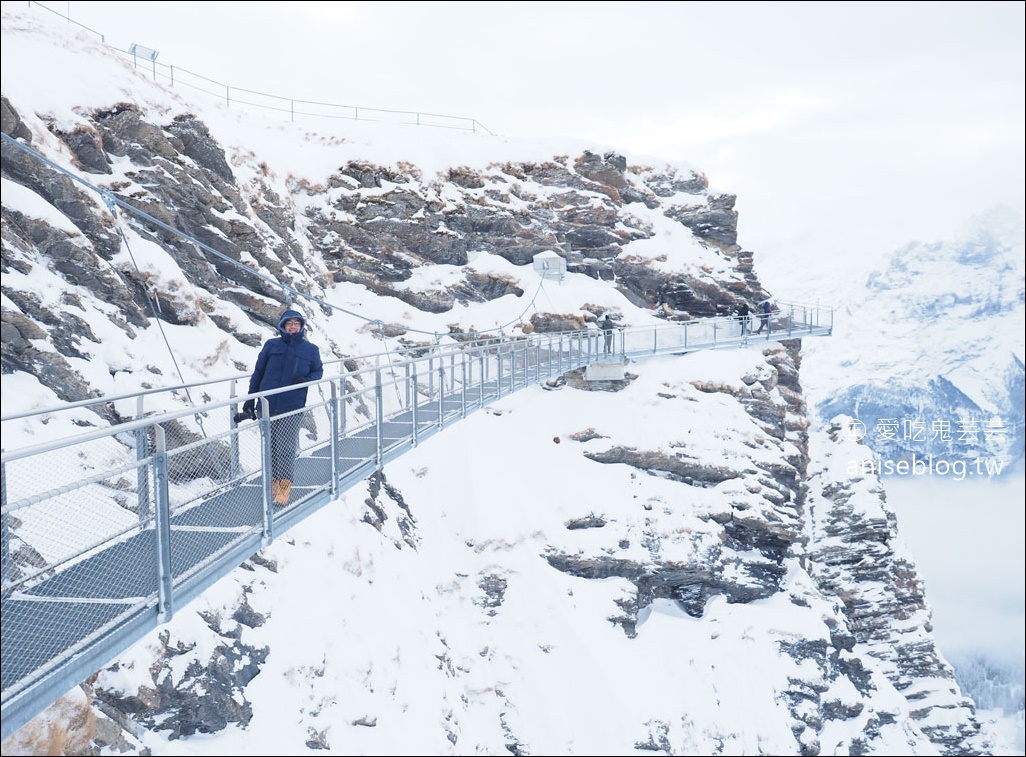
249 406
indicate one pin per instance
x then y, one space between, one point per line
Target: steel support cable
109 199
391 365
520 318
541 288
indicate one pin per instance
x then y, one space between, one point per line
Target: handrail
812 314
109 532
403 354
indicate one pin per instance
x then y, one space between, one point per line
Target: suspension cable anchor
110 201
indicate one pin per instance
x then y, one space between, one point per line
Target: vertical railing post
343 393
408 365
379 419
520 349
482 374
162 527
5 536
512 367
514 357
441 394
143 496
498 371
414 407
234 462
431 376
336 443
463 384
266 467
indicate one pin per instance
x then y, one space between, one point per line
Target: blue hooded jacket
283 361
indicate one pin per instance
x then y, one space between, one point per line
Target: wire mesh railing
105 533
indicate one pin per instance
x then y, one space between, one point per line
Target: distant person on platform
744 315
283 361
607 325
765 308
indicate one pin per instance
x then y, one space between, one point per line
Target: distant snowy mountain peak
957 395
1001 227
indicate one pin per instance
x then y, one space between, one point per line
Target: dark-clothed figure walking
283 361
607 325
765 308
744 314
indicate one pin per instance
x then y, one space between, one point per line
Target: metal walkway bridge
107 533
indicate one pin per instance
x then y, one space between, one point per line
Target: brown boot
281 496
275 489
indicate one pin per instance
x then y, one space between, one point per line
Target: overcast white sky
845 128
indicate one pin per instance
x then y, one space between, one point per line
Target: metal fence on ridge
146 59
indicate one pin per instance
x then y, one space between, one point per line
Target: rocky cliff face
806 559
365 224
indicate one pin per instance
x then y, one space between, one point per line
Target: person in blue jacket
285 360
